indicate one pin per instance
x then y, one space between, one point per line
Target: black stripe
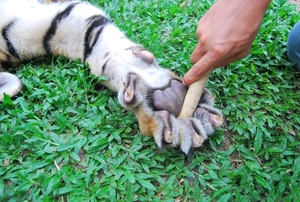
130 48
95 21
97 36
104 67
52 29
7 64
8 58
5 32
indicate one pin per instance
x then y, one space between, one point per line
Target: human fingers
200 68
206 63
197 54
232 58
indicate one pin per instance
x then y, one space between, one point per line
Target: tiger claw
129 92
168 135
216 120
197 140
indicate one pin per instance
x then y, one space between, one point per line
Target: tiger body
74 29
35 21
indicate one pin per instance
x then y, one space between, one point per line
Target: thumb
198 70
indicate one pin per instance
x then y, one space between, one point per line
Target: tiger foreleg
80 30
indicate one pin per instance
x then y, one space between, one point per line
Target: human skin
225 34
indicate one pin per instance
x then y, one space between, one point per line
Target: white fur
9 84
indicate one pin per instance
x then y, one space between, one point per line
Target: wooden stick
190 103
193 96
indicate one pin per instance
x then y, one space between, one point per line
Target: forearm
254 8
260 5
244 8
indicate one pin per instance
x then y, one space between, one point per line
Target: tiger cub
74 29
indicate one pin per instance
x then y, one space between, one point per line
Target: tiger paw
157 111
190 132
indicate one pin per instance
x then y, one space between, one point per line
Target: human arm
225 34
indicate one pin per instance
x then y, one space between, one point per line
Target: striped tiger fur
74 29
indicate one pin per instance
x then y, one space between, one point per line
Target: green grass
64 138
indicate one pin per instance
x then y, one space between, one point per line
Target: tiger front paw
187 133
157 111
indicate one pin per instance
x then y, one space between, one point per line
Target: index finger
199 69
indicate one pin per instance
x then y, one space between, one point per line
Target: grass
66 139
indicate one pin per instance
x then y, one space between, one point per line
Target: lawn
65 138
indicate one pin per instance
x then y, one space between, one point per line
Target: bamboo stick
193 96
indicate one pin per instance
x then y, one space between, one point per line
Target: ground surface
62 139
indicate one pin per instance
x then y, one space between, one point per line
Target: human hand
225 34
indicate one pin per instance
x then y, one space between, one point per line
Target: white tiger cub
32 28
